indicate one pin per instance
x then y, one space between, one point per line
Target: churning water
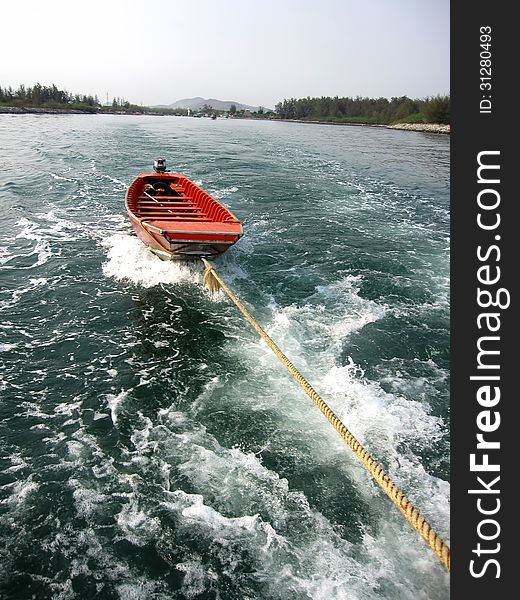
150 445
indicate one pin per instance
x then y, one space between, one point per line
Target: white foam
193 508
56 228
222 193
98 416
86 500
4 347
88 555
162 344
129 259
196 577
137 527
42 248
115 180
18 463
68 408
60 177
39 281
336 311
140 589
114 403
20 492
312 561
75 449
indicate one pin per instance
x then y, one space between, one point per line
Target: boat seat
161 198
169 209
173 214
166 204
172 218
162 209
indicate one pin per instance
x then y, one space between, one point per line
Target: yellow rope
418 522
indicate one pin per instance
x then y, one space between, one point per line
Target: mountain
198 103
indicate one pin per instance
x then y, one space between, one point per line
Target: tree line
51 97
47 96
435 109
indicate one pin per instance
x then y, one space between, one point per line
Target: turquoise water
150 445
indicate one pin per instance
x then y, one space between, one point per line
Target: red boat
176 218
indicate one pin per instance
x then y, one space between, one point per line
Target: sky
255 53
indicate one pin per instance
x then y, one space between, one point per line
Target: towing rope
213 281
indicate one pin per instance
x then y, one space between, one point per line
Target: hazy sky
257 53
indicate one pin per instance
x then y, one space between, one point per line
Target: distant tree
232 109
437 109
207 107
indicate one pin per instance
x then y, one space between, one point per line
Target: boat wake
151 446
129 259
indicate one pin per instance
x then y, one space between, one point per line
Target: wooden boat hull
183 221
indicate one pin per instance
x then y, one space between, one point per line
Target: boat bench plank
178 213
191 216
168 208
184 211
175 219
175 213
167 204
159 198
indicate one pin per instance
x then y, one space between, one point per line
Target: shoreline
23 110
418 127
422 127
436 128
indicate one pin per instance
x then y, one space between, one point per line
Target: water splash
128 259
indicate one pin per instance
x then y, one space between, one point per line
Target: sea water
151 446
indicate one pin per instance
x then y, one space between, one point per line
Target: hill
198 102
